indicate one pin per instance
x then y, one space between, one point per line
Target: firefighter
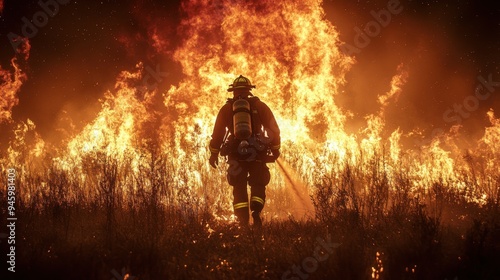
247 133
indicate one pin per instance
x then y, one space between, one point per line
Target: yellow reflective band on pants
240 205
257 199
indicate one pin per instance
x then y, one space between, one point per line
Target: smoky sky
78 54
443 45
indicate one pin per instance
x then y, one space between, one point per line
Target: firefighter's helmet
241 83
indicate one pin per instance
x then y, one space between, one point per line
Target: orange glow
12 82
291 52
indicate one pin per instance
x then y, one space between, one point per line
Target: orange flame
11 83
291 52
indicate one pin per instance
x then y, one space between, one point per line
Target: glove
214 160
276 153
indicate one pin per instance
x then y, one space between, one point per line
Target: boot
256 206
243 216
257 222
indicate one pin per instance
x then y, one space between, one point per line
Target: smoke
442 64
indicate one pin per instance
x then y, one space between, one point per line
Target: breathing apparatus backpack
246 140
242 119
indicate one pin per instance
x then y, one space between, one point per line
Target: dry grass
156 228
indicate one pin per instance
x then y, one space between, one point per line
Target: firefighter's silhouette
247 133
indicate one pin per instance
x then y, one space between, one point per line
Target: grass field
109 223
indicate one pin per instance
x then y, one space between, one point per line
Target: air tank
242 120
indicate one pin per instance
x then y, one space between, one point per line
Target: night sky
77 55
444 47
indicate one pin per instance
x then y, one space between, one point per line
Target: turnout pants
254 173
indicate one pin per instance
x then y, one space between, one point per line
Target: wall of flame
291 52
